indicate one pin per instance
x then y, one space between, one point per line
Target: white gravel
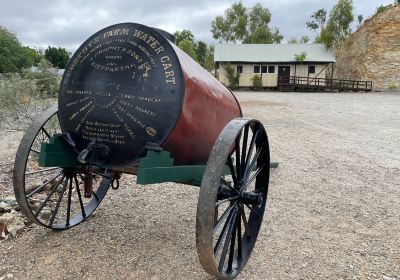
333 210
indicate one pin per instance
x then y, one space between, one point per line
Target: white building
272 61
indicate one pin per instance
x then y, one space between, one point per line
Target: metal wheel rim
205 220
19 174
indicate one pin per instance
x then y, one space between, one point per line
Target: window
264 69
271 69
239 69
311 69
257 69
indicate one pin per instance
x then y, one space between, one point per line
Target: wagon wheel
56 198
232 198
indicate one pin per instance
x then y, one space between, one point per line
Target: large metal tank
128 87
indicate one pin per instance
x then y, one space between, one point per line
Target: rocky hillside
373 51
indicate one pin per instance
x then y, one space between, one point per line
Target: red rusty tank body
128 87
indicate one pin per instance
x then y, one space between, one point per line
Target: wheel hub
251 198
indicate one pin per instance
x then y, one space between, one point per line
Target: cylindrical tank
128 87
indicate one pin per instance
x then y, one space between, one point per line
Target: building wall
269 79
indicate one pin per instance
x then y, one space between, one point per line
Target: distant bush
394 87
23 96
45 77
257 82
380 9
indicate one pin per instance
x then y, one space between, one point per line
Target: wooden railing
326 84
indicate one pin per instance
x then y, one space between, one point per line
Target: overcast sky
67 23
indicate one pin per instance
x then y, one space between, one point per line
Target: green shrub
257 82
380 9
20 101
46 79
394 87
232 75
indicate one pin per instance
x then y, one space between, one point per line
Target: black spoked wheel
57 198
232 198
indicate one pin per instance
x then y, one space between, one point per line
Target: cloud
68 23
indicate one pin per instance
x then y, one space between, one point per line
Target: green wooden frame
155 167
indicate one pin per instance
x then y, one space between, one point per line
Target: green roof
271 52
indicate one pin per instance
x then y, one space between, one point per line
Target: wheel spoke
233 173
227 241
226 213
232 249
250 166
252 144
223 232
60 196
48 196
219 202
239 237
69 202
244 147
237 156
251 179
80 197
38 189
95 195
41 171
45 132
252 209
245 223
36 152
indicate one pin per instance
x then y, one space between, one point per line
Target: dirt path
333 208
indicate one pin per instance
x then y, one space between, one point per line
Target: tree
240 24
35 56
57 56
292 40
276 36
209 63
259 36
258 31
300 57
183 35
360 19
232 27
13 56
338 25
318 20
232 75
304 39
258 16
397 2
201 52
187 47
380 9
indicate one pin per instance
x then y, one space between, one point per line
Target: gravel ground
333 209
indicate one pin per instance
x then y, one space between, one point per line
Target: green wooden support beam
57 153
158 167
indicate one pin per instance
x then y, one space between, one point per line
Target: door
283 74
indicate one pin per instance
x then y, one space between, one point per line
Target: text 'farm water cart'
132 102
